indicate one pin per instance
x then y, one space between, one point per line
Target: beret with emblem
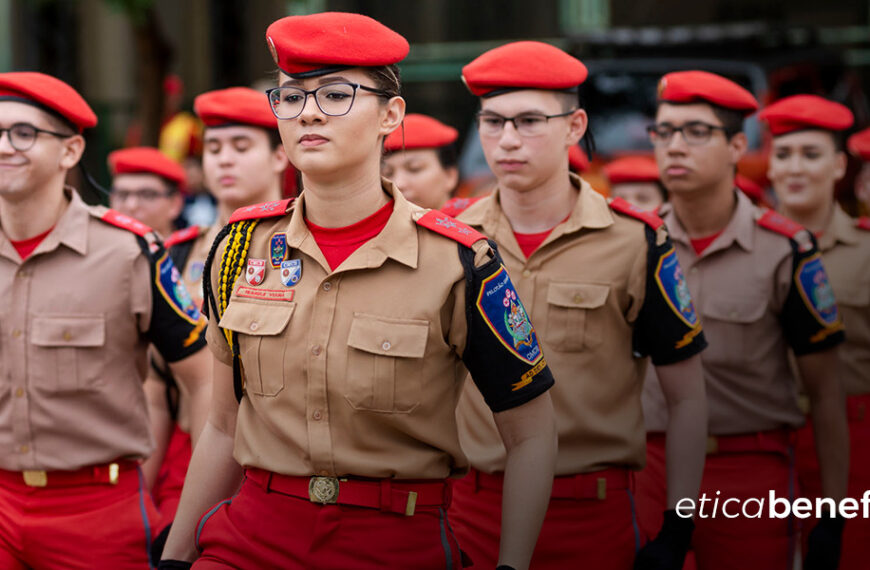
235 105
706 87
317 44
420 131
49 94
523 65
577 159
859 144
146 160
801 112
632 169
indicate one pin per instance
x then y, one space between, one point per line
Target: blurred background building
118 53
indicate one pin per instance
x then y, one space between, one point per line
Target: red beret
235 105
50 94
632 169
859 144
705 87
420 131
523 65
800 112
317 44
146 160
577 159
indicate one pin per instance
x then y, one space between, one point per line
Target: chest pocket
575 316
385 363
261 342
734 325
68 351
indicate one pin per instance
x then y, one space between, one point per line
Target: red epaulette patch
624 207
780 224
441 223
264 210
455 206
863 223
120 220
182 235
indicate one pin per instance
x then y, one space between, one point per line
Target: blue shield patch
507 318
277 249
291 272
168 281
815 289
195 272
672 284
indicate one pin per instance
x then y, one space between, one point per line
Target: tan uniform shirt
355 371
846 253
585 287
76 318
744 285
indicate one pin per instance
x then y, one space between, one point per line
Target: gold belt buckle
323 490
35 478
114 471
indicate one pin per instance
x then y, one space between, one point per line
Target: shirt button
67 335
527 273
317 415
16 333
693 270
733 314
255 325
19 393
327 286
24 448
315 350
578 298
386 345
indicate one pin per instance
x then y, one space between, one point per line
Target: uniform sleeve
217 342
668 328
810 318
501 350
177 328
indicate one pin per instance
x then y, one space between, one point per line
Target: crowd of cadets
700 342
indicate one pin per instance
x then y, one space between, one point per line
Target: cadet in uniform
761 290
146 185
83 291
806 161
635 179
421 160
243 162
605 290
346 322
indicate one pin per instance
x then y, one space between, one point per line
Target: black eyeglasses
526 124
22 136
333 99
694 132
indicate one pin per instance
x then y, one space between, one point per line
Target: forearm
831 432
200 402
213 475
685 450
161 428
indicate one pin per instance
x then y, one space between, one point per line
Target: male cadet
606 290
635 179
83 291
761 290
146 185
243 161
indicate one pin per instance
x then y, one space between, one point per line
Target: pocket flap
851 295
577 295
388 336
257 318
733 309
69 330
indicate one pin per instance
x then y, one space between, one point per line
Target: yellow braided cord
232 264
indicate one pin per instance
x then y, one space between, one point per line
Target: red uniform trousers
170 479
740 467
855 553
271 523
77 521
590 521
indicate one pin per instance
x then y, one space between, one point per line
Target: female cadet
806 161
421 160
346 322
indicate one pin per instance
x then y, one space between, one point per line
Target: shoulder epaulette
118 219
455 206
863 223
264 210
441 223
778 223
624 207
185 234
